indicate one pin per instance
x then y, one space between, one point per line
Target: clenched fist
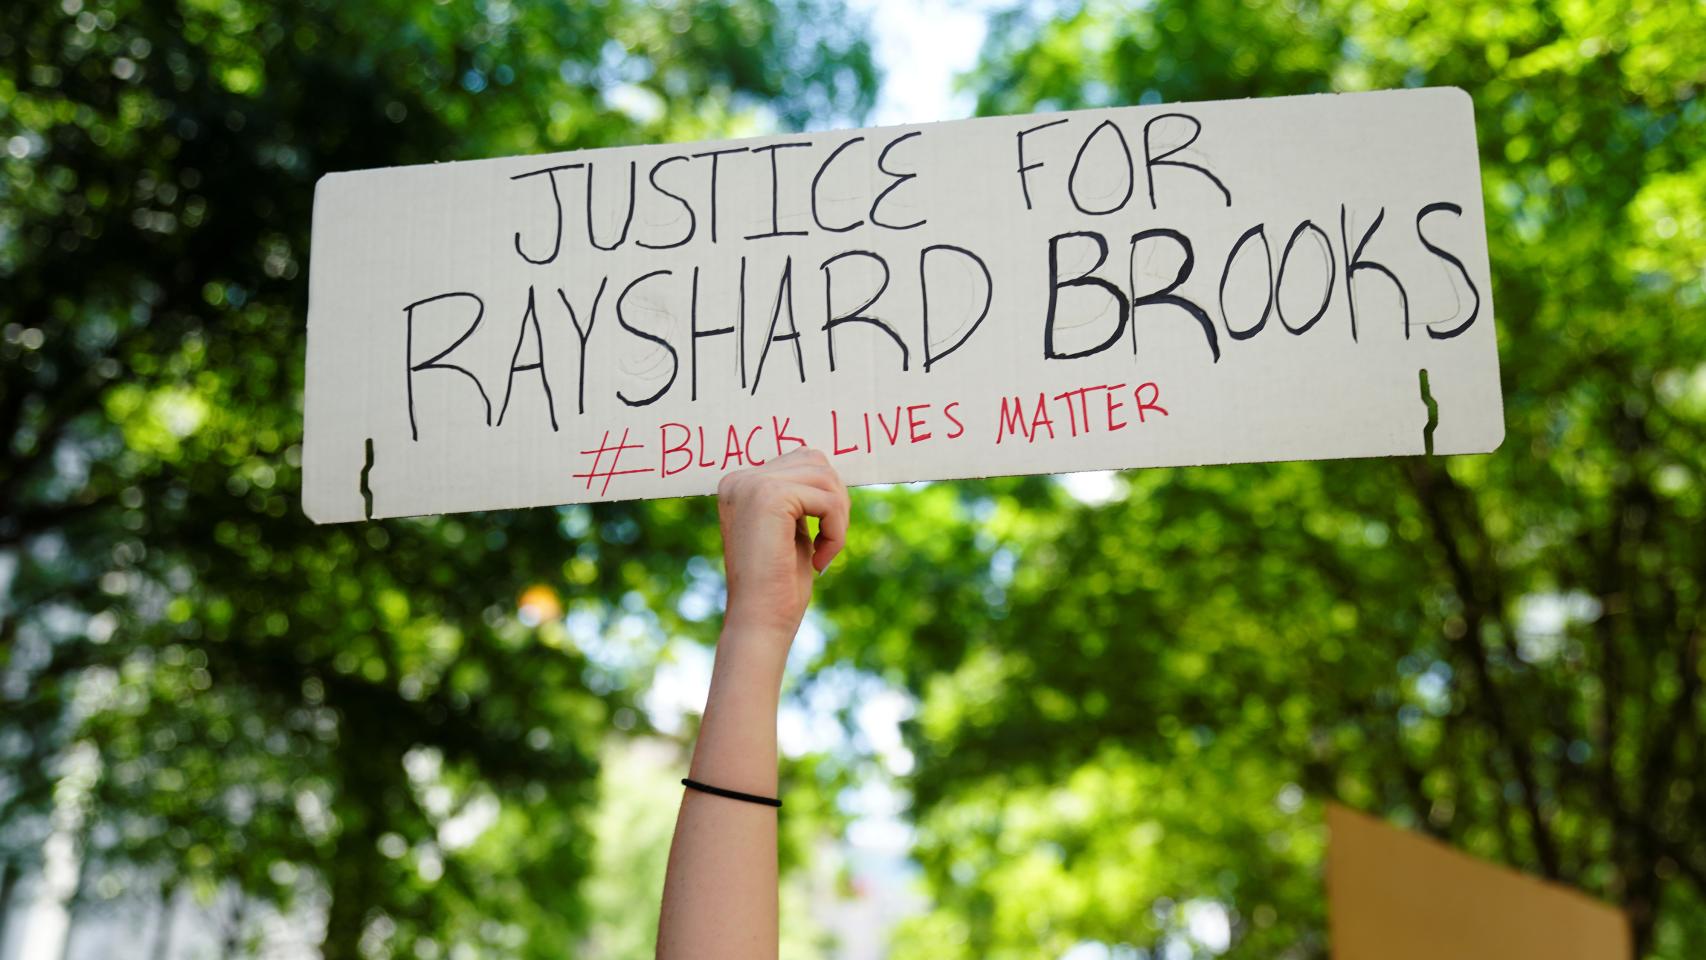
770 557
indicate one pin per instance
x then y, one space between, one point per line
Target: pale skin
720 893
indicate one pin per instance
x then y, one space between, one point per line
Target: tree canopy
304 711
1129 709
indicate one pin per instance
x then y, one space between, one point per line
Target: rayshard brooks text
554 331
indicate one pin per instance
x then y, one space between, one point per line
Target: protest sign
1392 895
1290 278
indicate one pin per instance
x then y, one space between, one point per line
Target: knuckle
729 483
809 454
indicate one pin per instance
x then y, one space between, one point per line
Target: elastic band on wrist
731 794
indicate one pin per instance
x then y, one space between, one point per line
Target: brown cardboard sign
1393 895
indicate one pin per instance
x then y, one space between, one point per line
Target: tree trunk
8 885
162 948
233 940
346 915
354 874
71 906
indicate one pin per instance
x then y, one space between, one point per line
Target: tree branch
1432 488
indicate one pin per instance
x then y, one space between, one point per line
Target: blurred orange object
539 604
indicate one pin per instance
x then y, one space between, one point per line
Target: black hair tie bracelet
731 794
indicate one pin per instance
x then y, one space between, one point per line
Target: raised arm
720 895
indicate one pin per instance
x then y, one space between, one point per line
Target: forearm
720 894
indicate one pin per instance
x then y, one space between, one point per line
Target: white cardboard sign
1202 283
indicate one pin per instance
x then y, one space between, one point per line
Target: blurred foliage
1130 711
323 717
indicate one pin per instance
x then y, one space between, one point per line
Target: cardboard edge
317 507
1459 94
1498 439
320 513
1466 102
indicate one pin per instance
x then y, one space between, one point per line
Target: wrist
769 624
752 652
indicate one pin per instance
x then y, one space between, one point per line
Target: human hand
770 558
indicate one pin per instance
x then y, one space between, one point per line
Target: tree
1130 710
267 700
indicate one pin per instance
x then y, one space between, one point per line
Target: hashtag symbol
615 452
